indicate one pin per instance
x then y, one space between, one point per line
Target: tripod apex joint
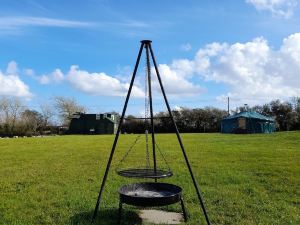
146 41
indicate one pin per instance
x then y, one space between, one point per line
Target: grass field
245 179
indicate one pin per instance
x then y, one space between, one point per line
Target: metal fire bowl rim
150 186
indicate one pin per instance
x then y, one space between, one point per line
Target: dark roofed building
248 122
82 123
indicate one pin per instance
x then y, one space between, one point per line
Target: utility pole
228 106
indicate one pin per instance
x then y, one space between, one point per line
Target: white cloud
11 84
14 25
29 72
99 83
40 21
177 108
130 23
55 77
280 8
252 70
44 79
186 47
12 68
175 81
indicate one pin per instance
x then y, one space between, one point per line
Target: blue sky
207 50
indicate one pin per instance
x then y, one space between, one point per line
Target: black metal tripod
147 45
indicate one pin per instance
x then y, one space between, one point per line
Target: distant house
82 123
248 122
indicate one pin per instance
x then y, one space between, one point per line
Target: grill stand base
185 217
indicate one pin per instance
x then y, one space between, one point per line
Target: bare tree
10 109
15 110
31 122
66 107
47 112
4 112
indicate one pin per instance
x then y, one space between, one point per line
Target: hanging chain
147 113
147 150
166 162
128 151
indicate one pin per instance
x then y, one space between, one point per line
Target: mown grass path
245 179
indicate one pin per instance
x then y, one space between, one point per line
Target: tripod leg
117 134
183 210
151 109
179 139
120 212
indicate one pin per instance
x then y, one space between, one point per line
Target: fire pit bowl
150 194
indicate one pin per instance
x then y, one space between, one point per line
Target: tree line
16 119
208 119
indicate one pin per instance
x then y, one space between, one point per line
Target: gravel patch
160 217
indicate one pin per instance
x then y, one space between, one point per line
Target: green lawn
245 179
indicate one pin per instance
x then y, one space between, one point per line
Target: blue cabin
248 122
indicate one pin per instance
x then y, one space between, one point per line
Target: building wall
92 124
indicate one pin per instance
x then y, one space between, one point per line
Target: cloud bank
175 81
251 70
280 8
99 83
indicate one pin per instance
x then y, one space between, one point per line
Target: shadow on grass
106 217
